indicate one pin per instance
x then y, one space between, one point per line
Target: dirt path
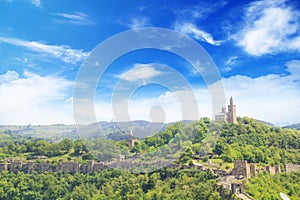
243 196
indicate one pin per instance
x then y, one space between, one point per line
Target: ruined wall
252 170
270 170
292 167
241 169
237 188
67 167
244 170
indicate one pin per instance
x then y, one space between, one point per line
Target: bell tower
131 140
232 112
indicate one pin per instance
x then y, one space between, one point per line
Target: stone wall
66 167
270 170
244 170
241 169
292 167
253 171
237 188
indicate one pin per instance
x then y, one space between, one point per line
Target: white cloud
272 98
201 10
8 77
62 52
37 3
293 67
77 18
270 27
34 99
30 98
193 31
139 22
231 60
171 107
140 72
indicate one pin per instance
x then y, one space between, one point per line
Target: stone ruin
242 169
66 167
292 168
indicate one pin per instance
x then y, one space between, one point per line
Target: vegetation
199 141
258 143
265 186
111 184
248 140
41 149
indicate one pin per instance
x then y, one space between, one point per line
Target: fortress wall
292 167
241 167
67 167
270 170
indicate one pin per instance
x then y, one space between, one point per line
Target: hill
214 145
293 126
248 140
108 130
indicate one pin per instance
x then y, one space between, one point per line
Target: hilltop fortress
230 116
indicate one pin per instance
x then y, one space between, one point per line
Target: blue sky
254 44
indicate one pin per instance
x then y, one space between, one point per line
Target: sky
255 46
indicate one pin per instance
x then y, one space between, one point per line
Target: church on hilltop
230 116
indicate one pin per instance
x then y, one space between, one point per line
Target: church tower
131 140
231 112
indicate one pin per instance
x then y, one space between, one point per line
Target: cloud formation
140 72
270 27
37 3
77 18
139 22
62 52
193 31
273 97
30 98
202 10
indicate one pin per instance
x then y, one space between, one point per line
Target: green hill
265 186
186 143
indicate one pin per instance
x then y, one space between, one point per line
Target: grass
216 163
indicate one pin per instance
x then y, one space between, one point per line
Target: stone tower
231 118
241 169
131 140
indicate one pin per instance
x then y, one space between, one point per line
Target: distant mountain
108 130
264 122
293 126
121 130
52 132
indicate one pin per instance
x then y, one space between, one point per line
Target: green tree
66 145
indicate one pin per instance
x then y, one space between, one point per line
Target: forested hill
199 140
248 140
256 142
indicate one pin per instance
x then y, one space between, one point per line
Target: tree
78 147
66 145
136 148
